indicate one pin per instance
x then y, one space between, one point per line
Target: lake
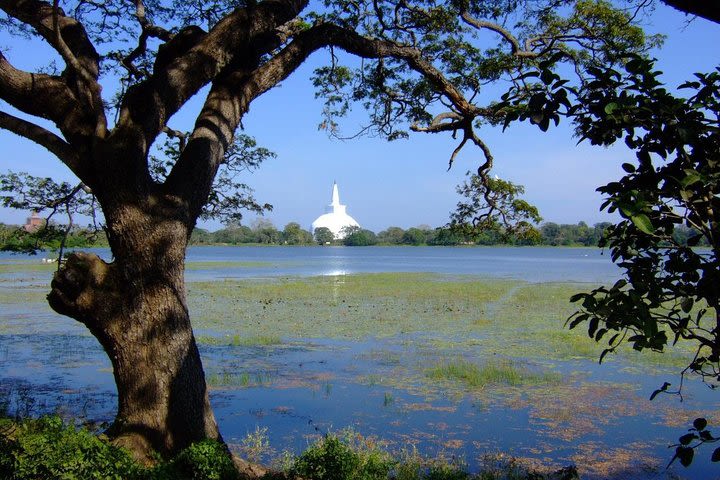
529 264
299 341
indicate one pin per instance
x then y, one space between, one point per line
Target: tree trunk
136 307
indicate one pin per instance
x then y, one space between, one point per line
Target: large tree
424 67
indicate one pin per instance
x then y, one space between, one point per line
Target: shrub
47 448
205 460
333 459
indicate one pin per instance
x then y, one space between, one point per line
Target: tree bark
136 308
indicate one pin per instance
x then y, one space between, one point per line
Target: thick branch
48 97
440 124
181 74
707 9
89 77
68 37
56 145
231 95
70 33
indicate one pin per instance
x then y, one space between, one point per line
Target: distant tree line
263 232
551 234
49 237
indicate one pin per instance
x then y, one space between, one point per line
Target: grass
19 267
227 379
453 313
502 372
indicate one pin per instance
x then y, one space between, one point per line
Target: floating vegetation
502 372
348 306
227 379
240 341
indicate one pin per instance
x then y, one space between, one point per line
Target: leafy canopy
421 66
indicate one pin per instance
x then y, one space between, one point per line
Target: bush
205 460
46 448
333 459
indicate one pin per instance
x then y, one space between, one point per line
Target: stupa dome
335 218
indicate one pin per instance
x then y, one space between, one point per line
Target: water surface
597 417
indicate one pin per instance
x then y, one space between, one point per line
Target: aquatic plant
256 445
501 372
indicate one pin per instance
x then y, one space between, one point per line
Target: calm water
303 388
530 264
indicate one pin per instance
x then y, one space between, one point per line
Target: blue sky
403 183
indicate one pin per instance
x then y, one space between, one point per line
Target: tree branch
65 34
517 50
70 60
48 97
56 145
230 97
707 9
148 30
244 33
68 37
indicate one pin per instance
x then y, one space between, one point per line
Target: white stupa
335 218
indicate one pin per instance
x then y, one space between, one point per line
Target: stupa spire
335 196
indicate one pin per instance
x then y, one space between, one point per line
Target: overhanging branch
517 50
708 9
56 145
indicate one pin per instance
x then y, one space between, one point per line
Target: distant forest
263 232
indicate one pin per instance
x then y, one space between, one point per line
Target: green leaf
628 167
706 436
577 297
547 77
659 390
592 326
687 438
643 223
691 177
611 107
602 355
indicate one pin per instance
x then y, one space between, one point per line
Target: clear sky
403 183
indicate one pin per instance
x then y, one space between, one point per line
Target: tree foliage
671 291
62 201
323 235
494 205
